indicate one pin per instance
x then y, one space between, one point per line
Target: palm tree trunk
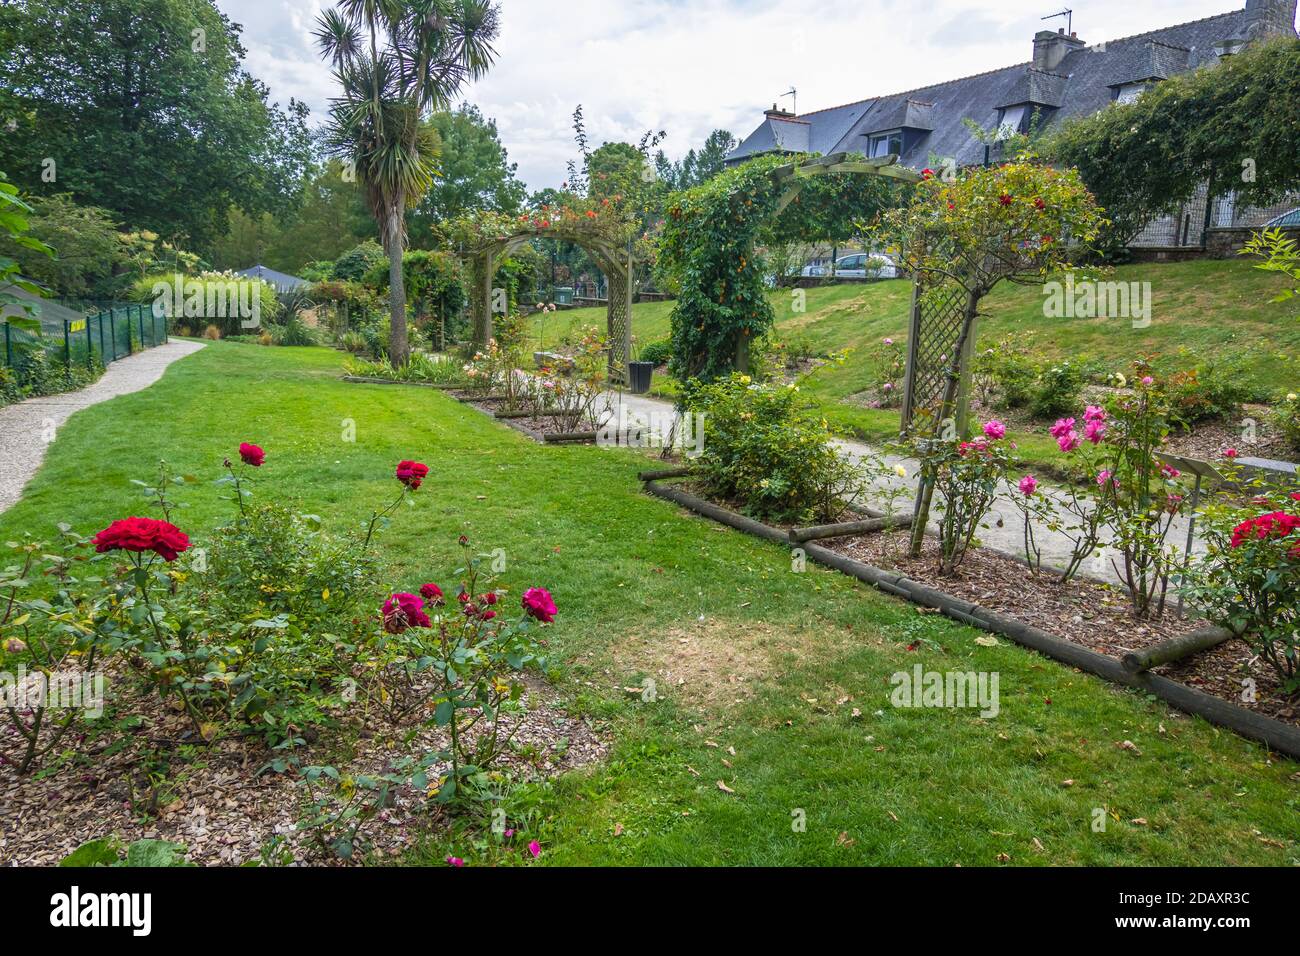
399 350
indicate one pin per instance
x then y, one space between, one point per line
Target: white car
1287 219
860 265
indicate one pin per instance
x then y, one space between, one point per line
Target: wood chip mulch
215 801
1091 614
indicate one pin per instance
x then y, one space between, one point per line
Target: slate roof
277 280
1081 84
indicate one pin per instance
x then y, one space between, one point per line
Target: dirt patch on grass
713 664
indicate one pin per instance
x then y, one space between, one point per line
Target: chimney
1051 48
777 113
1266 18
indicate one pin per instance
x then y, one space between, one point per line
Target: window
1130 93
1013 121
883 144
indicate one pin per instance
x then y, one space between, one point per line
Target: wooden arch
615 259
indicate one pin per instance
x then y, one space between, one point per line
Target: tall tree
142 107
474 171
396 61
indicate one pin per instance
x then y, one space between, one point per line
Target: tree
474 170
142 107
14 228
696 168
86 247
396 60
1232 126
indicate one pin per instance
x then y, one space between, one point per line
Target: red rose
403 611
412 474
431 592
252 455
538 603
139 535
1005 199
490 598
927 174
488 615
1295 496
1039 204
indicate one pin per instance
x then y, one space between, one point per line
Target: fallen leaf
724 788
1129 745
1004 858
845 840
1067 783
1139 821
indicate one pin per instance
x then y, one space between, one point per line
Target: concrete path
1006 523
26 429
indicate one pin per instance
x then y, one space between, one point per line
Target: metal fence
106 335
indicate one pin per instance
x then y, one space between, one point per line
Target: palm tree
397 61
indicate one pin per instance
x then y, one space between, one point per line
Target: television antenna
794 105
1069 19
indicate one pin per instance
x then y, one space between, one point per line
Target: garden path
28 428
1006 523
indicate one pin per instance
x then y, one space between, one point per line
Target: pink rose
539 604
1069 441
1095 413
1062 428
995 430
1028 485
535 849
1095 431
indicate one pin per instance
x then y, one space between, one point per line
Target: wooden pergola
615 258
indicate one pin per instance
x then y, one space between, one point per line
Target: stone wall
1227 243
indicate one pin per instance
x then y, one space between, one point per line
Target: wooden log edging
665 473
569 438
849 528
1278 736
362 380
1176 648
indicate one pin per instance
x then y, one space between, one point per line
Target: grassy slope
908 787
1215 308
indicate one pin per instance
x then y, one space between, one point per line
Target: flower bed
160 673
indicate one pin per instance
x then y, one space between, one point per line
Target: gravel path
26 429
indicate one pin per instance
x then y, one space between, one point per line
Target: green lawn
638 582
1207 307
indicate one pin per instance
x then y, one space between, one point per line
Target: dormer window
885 144
1014 120
1130 92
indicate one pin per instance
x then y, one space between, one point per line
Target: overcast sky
692 66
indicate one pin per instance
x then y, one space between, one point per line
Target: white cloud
691 67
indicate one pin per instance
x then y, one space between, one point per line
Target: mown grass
1217 309
903 786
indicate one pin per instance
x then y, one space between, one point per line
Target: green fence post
9 349
90 346
140 317
112 332
67 344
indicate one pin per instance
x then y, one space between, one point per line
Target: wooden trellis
615 260
934 336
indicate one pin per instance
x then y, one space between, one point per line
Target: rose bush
1249 578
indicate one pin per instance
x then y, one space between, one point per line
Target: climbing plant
709 241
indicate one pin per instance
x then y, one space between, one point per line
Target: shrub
765 449
10 390
1287 418
1057 390
967 478
294 332
1212 390
1249 579
889 360
657 352
1005 375
212 332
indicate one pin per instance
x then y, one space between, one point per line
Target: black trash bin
640 374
